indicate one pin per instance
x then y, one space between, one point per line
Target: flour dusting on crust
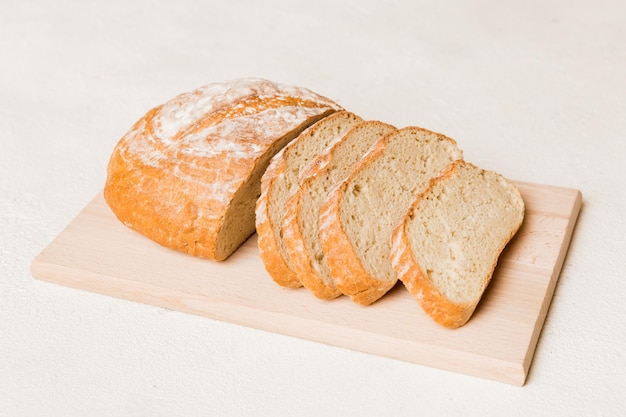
207 136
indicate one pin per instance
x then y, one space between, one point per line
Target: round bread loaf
187 174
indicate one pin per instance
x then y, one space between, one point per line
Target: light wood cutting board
97 253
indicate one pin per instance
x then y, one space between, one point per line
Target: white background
533 89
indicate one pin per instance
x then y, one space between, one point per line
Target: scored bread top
357 219
446 248
281 180
300 225
187 173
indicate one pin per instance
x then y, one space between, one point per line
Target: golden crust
187 174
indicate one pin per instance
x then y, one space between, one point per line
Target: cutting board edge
509 372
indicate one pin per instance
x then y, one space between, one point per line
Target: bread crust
187 174
442 310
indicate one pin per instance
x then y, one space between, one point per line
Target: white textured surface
535 90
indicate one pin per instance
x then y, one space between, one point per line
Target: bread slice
281 181
300 225
187 175
357 219
446 248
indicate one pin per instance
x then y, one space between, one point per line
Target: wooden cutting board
97 253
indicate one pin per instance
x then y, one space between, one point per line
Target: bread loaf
447 246
280 182
187 174
301 220
357 219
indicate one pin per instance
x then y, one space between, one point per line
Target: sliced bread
357 219
300 225
279 183
446 248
